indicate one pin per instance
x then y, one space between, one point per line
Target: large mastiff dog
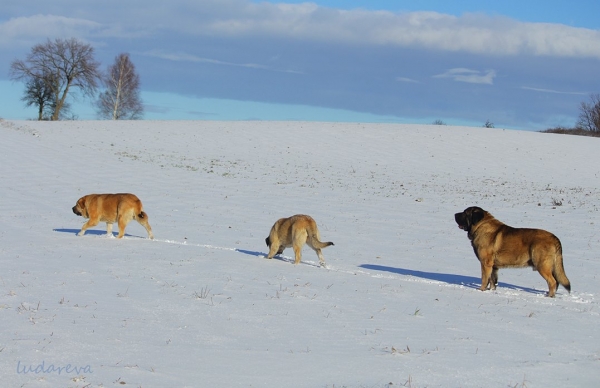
111 208
498 245
294 232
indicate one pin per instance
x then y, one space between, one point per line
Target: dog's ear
81 205
268 241
477 215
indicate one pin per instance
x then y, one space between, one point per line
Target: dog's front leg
486 274
89 224
274 249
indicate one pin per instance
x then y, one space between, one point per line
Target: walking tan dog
498 245
111 208
294 232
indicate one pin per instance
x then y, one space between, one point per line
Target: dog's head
469 218
79 208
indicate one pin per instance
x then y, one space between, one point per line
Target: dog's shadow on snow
460 280
92 232
251 253
279 257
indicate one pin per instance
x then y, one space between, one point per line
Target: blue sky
523 65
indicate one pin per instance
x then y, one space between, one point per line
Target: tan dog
498 245
111 208
294 232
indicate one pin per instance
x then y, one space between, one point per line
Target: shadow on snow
92 232
461 280
251 253
279 257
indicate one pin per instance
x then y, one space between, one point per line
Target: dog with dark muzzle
498 245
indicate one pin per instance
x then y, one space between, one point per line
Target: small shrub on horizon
488 124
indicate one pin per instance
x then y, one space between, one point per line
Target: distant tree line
53 69
588 122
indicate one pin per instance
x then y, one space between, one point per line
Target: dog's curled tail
559 270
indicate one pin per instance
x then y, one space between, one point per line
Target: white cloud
474 33
407 80
554 91
184 57
470 33
470 76
38 27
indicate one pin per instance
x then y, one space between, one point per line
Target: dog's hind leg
320 256
546 273
297 253
122 221
298 241
109 226
316 245
494 278
142 218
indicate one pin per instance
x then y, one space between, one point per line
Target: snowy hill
199 306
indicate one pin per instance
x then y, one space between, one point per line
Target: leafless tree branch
66 63
589 114
121 99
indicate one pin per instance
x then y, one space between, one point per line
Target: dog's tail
138 210
559 269
316 242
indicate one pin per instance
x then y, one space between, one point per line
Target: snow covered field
199 306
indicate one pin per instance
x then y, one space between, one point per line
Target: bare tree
589 114
488 124
38 92
121 99
68 63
